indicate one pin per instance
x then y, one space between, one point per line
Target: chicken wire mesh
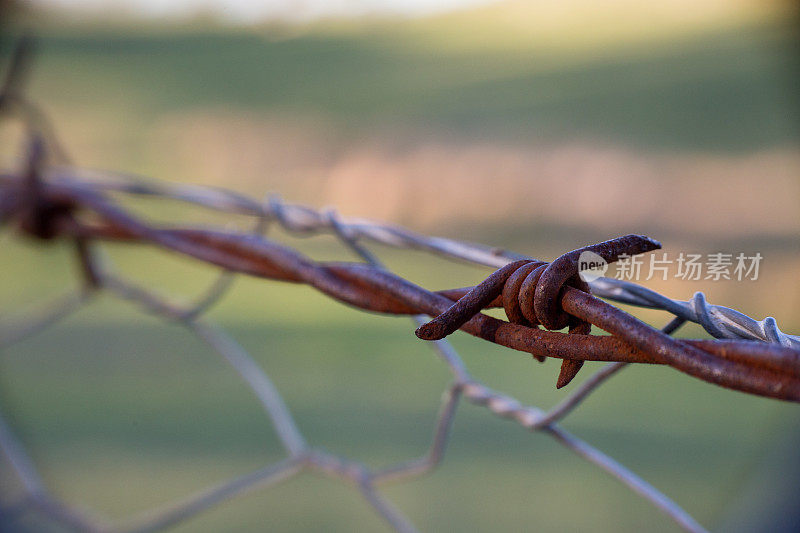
49 199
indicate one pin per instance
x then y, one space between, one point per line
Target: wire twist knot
531 293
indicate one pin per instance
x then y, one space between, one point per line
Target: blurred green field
123 412
723 89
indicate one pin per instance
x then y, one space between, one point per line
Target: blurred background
534 126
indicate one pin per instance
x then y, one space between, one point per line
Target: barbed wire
50 201
301 456
56 208
721 322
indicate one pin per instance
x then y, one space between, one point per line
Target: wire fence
51 199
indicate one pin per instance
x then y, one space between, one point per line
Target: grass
123 412
729 89
114 410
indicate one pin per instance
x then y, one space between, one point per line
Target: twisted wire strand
474 391
719 321
529 417
500 404
48 209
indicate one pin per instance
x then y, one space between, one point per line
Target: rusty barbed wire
718 321
50 209
46 201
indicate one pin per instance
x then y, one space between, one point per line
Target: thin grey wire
365 480
718 321
301 456
508 407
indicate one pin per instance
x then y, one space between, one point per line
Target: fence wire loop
49 202
531 294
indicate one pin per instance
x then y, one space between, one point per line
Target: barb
721 322
529 417
48 202
572 401
770 371
370 286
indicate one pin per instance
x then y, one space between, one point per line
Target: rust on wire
528 290
46 205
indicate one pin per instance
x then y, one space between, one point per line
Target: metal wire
302 456
47 209
721 322
43 199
